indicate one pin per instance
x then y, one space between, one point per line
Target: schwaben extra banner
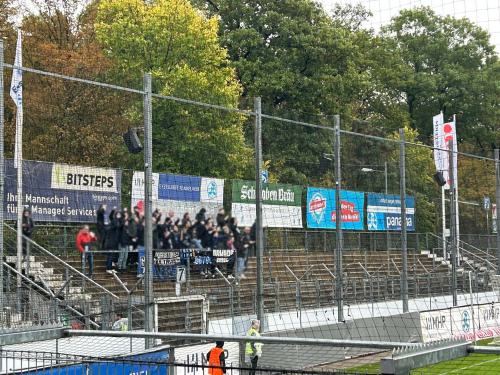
60 192
281 206
321 211
180 194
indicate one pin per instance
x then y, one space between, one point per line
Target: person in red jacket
83 240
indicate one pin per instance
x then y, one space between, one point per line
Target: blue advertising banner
383 212
321 209
180 194
60 192
148 363
179 188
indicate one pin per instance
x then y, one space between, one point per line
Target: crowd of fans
121 233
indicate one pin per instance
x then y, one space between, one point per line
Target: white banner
71 177
212 190
16 93
461 322
440 156
273 216
210 196
138 186
197 355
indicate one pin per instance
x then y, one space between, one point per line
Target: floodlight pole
338 225
454 239
259 232
497 174
404 244
1 171
148 209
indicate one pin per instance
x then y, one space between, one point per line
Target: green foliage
430 63
179 46
419 182
304 64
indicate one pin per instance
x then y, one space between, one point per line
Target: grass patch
368 368
472 364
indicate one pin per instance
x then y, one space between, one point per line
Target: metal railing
37 304
279 239
60 239
55 260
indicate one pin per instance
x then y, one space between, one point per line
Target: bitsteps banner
61 192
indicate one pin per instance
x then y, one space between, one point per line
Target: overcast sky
485 13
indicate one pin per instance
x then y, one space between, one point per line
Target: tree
419 182
65 121
180 47
305 66
429 63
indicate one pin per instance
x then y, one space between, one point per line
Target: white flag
440 155
16 93
443 133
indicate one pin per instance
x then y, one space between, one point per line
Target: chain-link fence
315 227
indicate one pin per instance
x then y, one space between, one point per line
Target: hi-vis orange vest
214 360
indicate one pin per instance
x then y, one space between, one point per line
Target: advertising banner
383 212
180 193
154 363
63 193
321 209
461 322
196 356
281 206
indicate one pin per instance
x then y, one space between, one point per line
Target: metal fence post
65 240
404 246
1 173
454 240
497 173
148 227
338 231
259 234
298 300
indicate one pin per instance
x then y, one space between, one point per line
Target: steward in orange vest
217 359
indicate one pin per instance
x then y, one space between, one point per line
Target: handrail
288 268
63 286
492 265
364 269
49 292
329 271
468 252
422 265
45 251
477 249
224 277
46 286
396 266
